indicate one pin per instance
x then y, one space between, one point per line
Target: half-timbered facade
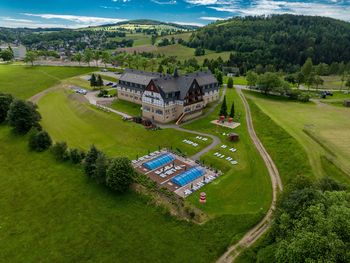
166 98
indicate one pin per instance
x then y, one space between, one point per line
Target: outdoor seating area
202 138
190 142
227 158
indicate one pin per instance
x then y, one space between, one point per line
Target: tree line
285 41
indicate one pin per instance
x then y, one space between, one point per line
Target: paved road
256 232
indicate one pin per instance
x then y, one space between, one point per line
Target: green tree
76 156
223 110
106 58
30 56
347 84
232 111
230 83
40 141
99 82
93 80
90 161
219 77
252 78
88 56
96 56
5 102
6 54
307 72
22 116
318 81
59 150
120 174
101 168
160 68
78 57
268 82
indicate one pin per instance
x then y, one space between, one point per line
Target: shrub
5 102
40 141
22 116
90 161
120 174
294 94
230 83
101 168
59 150
102 93
304 98
76 156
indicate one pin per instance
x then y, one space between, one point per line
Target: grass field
130 108
241 80
322 130
24 82
52 213
236 191
82 125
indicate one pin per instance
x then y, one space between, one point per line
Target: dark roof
139 76
169 83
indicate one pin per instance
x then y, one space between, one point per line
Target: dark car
109 84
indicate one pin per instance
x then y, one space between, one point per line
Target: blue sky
80 13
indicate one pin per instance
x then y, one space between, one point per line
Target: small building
233 137
165 98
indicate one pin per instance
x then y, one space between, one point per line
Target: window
160 112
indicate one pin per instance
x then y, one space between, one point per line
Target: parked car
109 84
104 70
81 91
114 86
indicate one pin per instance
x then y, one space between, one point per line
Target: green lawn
244 188
82 125
26 81
50 212
241 80
130 108
327 129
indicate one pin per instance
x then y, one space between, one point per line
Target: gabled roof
138 76
203 77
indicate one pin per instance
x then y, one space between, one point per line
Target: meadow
52 213
25 81
60 215
322 130
244 188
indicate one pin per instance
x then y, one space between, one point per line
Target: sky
81 13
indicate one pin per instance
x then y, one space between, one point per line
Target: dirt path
256 232
35 99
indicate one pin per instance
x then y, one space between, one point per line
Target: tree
93 80
106 58
59 150
306 71
268 81
40 141
120 174
5 102
30 56
88 55
99 82
152 64
199 52
6 54
230 83
223 110
160 68
76 156
90 161
96 56
22 116
232 111
219 77
78 57
318 81
101 168
347 84
252 78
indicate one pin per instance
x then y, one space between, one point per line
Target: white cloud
212 18
171 2
188 23
334 8
79 20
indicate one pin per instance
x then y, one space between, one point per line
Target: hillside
281 40
142 24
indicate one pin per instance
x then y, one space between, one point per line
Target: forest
285 41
